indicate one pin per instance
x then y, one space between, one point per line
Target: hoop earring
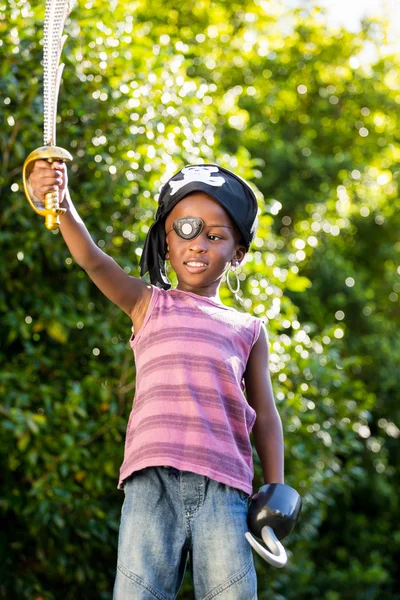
231 269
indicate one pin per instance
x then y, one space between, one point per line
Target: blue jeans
169 515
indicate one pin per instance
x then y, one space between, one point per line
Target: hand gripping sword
56 14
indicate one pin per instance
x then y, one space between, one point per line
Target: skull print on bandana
197 173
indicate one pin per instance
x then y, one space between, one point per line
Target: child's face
215 247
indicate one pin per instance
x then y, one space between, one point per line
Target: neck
211 292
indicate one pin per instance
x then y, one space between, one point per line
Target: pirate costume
230 190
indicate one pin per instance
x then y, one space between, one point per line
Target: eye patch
188 228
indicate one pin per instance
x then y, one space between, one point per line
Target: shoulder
254 324
157 299
259 355
141 310
245 317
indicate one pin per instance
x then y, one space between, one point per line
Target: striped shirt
190 411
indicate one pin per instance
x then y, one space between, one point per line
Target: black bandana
232 192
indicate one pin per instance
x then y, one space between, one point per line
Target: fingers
47 177
44 165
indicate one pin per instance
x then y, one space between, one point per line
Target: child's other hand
48 177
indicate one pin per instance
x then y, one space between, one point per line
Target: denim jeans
169 515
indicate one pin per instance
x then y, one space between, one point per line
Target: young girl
187 471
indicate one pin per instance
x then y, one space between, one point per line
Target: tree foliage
292 106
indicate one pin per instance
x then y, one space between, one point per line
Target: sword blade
56 14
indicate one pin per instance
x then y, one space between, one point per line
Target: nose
198 244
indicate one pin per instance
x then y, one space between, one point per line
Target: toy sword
56 14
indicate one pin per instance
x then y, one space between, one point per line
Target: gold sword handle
52 209
49 206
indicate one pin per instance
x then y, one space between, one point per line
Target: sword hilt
49 206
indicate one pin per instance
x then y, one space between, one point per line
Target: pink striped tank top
190 411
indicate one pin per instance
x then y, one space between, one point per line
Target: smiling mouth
195 266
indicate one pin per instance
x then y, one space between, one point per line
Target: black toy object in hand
273 512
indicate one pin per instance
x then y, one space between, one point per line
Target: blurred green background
296 108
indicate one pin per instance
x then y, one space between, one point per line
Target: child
187 471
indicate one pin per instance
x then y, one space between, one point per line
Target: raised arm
129 293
